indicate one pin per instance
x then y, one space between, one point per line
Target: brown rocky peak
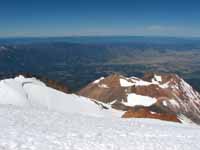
166 92
161 77
112 80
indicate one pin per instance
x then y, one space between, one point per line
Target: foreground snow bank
30 92
39 129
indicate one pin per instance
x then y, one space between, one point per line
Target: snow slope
41 118
40 129
30 92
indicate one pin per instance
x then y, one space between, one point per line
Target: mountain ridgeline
160 96
156 96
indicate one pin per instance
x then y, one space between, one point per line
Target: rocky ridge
159 96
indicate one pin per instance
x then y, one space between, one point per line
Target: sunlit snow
134 100
40 129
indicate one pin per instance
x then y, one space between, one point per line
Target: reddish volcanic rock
106 90
168 93
145 113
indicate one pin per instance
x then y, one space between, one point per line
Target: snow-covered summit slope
36 117
30 92
38 129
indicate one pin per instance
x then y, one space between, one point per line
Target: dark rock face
175 99
101 91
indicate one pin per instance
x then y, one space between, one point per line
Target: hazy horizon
49 18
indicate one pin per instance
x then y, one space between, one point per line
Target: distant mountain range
102 40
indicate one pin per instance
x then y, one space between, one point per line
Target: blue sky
99 17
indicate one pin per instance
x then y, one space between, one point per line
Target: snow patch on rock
155 81
134 100
103 86
164 103
157 78
125 83
98 80
141 83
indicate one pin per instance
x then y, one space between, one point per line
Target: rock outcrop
160 96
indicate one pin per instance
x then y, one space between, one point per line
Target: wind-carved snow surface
134 100
30 92
40 129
